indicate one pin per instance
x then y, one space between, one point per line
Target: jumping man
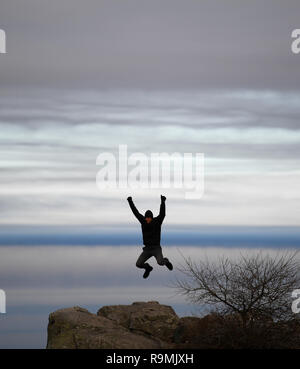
151 228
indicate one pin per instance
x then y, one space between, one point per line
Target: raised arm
134 209
162 210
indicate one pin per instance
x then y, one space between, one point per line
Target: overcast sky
82 77
150 44
194 76
250 140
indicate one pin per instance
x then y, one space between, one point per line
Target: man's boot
168 264
147 271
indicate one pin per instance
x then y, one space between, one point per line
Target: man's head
148 216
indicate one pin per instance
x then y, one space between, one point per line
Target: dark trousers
147 254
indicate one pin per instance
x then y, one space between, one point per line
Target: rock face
150 318
149 325
140 325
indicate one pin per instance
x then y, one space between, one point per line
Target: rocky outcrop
150 325
140 325
147 318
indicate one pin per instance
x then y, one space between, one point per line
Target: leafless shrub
250 295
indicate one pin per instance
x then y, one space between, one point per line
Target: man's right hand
163 198
129 198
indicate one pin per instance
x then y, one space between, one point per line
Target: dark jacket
151 231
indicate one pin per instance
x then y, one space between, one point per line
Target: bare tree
251 287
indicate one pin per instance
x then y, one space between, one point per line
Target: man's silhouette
151 228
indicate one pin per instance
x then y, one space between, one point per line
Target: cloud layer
137 43
50 141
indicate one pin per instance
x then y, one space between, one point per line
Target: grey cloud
59 268
138 43
198 110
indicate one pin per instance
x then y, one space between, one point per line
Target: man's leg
141 263
161 260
